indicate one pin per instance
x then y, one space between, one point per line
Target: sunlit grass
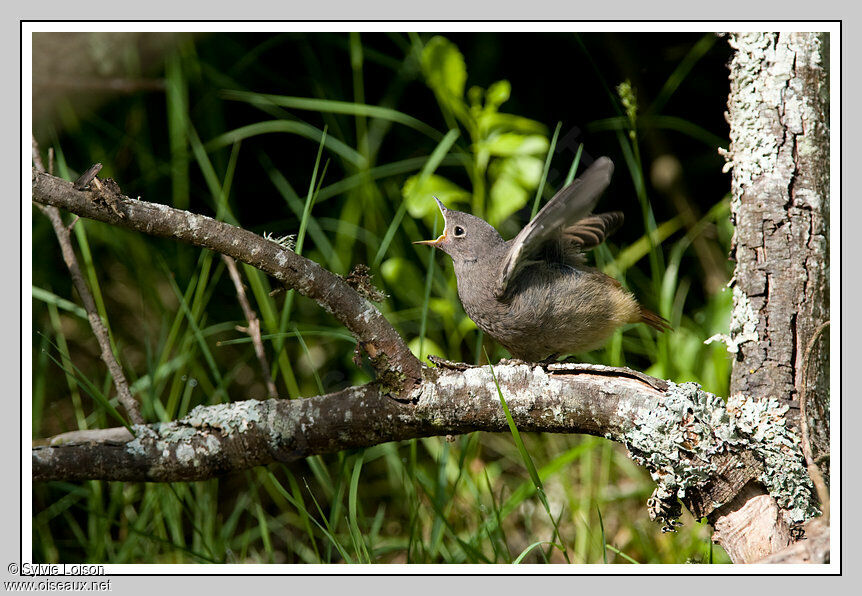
476 498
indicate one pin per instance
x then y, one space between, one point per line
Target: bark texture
778 112
778 109
217 439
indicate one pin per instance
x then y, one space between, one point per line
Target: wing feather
567 207
593 230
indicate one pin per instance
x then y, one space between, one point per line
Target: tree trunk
778 110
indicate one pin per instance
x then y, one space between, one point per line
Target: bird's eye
459 232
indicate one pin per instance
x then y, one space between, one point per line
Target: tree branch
124 394
217 439
253 329
689 460
396 367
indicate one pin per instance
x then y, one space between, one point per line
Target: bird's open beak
442 236
436 242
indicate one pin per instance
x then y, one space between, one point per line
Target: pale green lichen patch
785 475
176 433
193 437
675 441
678 437
185 454
229 418
143 434
743 323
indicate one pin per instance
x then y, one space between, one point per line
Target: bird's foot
569 360
552 359
513 362
443 363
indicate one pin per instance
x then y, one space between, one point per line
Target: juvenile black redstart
534 293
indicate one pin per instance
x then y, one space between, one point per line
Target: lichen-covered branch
397 369
697 449
217 439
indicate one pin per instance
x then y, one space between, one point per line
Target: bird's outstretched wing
593 230
566 208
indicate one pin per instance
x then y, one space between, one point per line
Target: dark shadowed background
230 125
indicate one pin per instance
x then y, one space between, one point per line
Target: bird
535 293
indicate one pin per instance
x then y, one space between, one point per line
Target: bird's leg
513 362
443 363
570 360
552 359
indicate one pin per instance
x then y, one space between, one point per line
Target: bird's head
465 237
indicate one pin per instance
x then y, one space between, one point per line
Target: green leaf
444 67
497 94
442 307
465 325
507 196
403 278
422 347
512 143
418 197
489 121
514 179
526 170
475 97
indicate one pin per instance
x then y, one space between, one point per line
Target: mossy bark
778 110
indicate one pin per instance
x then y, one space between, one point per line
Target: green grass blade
198 334
525 456
296 205
356 59
52 298
327 530
176 96
89 269
352 508
302 129
309 199
71 381
302 343
641 247
429 277
604 542
436 157
622 554
664 122
216 187
527 550
394 168
89 387
575 162
545 169
698 51
303 512
334 107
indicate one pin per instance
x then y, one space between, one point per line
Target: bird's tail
657 322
